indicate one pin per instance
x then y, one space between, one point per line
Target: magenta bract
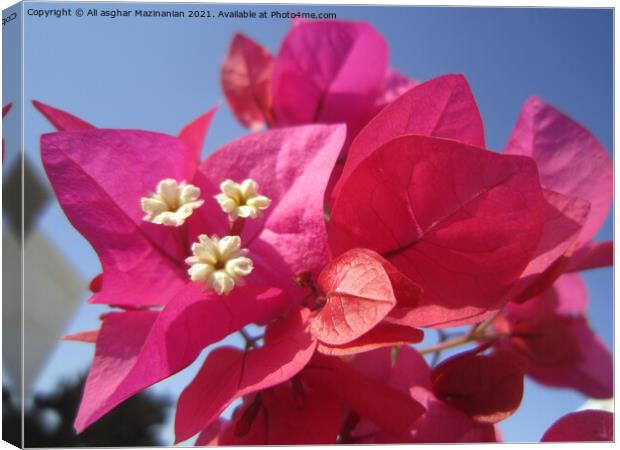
442 210
570 159
582 426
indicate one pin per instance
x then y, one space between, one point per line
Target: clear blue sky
157 74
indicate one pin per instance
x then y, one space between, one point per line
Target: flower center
172 203
242 200
218 263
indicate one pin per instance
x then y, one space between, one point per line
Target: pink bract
570 159
61 120
284 417
324 72
131 356
442 210
329 72
554 343
367 303
390 409
439 423
246 81
442 107
359 295
582 426
99 177
486 387
229 373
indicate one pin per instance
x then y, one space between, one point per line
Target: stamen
172 203
242 200
220 264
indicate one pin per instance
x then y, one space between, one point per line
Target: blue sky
158 74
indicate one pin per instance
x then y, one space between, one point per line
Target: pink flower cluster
368 211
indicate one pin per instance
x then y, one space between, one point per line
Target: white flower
219 263
172 203
242 200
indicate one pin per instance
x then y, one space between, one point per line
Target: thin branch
250 341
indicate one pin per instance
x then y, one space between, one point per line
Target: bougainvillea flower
135 349
321 74
284 162
582 426
441 422
550 337
99 177
144 262
354 294
192 135
460 221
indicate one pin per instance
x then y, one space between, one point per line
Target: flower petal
229 373
188 324
564 219
582 426
329 72
285 420
460 221
591 372
246 82
486 387
359 295
99 177
442 107
61 120
591 256
556 343
194 134
392 410
114 357
570 159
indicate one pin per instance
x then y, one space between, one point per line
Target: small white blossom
220 264
242 200
172 203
